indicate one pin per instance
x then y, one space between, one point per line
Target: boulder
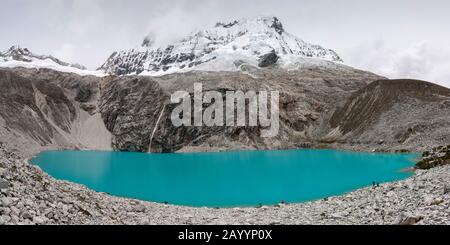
411 220
438 156
5 202
446 189
4 184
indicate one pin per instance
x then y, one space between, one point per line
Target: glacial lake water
228 179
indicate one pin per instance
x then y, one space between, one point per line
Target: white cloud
66 52
178 19
419 60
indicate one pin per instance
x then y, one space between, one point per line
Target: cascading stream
156 127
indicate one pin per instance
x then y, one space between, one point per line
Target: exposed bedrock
320 107
132 105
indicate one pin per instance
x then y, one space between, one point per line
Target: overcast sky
393 38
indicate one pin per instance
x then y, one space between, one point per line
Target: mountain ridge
17 56
16 52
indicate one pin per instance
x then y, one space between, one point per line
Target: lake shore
29 196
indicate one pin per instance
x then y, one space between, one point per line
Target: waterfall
156 127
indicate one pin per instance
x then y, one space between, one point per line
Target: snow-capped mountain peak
17 56
18 53
260 41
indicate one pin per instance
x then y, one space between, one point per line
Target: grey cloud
419 60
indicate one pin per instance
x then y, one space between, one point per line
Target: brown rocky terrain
60 109
305 96
397 115
45 109
338 107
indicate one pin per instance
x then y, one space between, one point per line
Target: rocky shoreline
29 196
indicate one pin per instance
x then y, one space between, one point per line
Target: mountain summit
20 54
17 56
261 42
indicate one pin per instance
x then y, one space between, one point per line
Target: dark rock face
228 25
268 59
317 106
277 25
438 156
84 93
121 65
130 107
148 42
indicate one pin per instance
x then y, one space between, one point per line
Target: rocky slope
319 108
42 109
259 42
338 108
306 95
395 114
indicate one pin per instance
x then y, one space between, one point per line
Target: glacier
224 47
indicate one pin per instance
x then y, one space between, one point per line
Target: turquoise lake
228 179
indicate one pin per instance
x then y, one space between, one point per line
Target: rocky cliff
49 109
131 106
319 107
